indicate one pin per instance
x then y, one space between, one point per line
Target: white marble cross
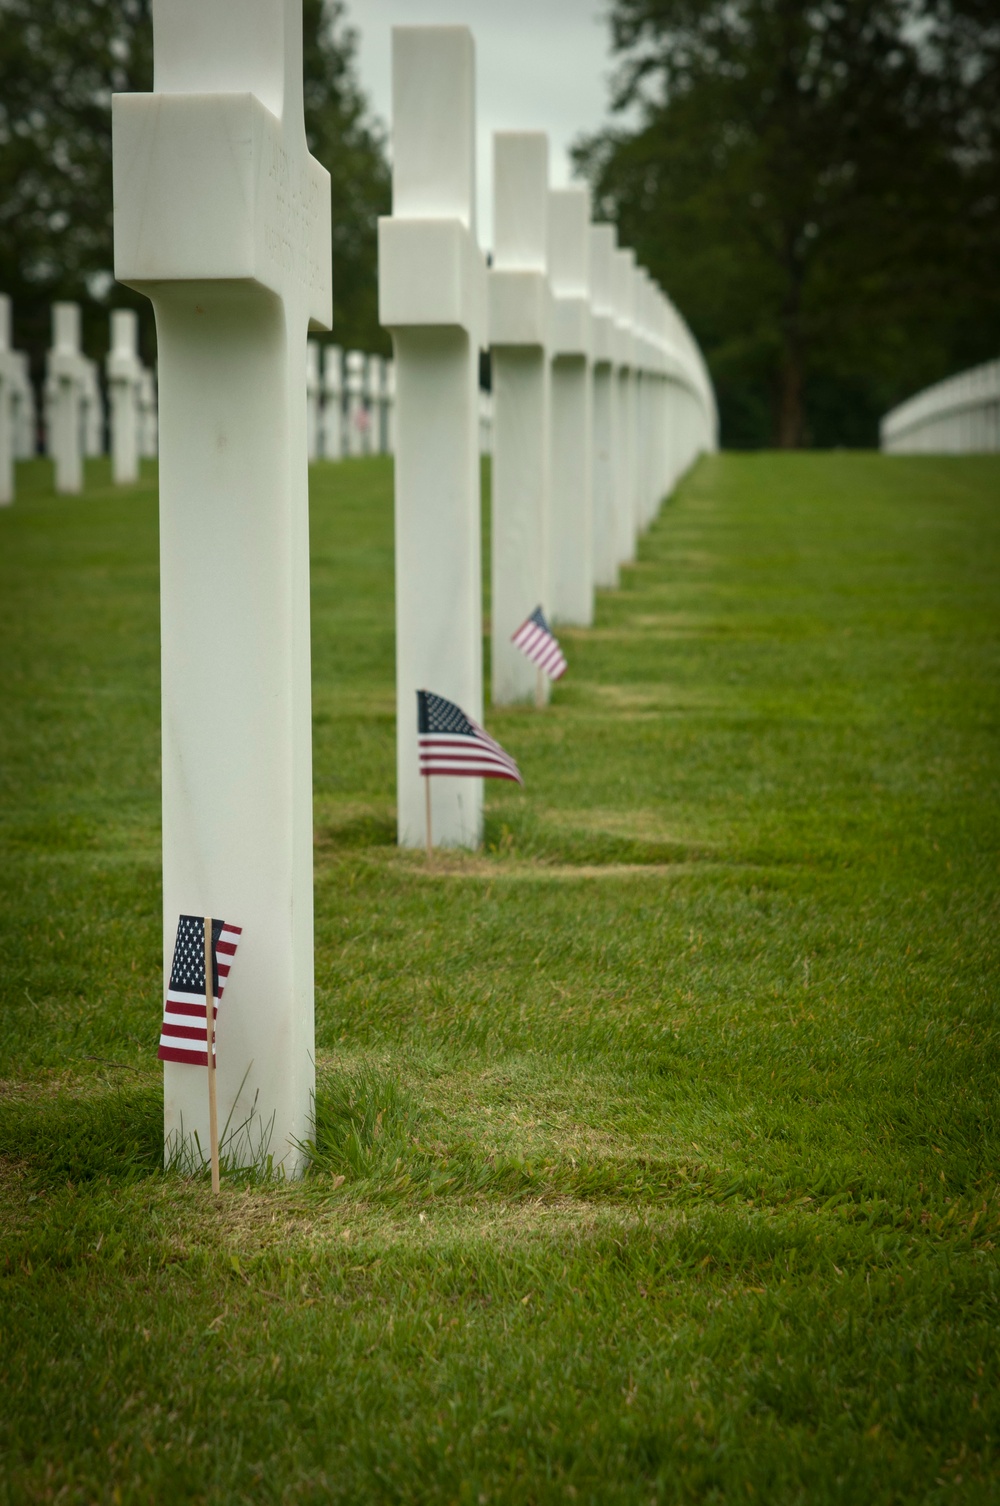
64 384
124 371
432 297
520 332
571 569
222 219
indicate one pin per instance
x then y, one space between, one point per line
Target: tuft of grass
365 1123
114 1136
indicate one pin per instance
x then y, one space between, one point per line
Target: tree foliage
60 63
817 186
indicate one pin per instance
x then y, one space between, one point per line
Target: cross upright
222 219
520 332
571 569
432 298
64 382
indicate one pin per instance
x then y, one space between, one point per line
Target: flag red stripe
186 1058
492 773
187 1042
467 755
529 634
183 1032
541 647
441 760
444 750
176 1006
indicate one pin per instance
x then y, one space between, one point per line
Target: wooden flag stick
539 688
213 1108
427 808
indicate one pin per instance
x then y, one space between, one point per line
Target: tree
60 63
816 184
343 137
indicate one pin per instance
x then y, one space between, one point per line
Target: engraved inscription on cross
222 219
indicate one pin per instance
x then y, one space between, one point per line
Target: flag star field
183 1036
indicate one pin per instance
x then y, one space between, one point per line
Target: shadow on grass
115 1137
360 831
519 836
372 1130
366 1124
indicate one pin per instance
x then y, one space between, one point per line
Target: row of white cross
349 403
223 219
960 416
600 401
74 412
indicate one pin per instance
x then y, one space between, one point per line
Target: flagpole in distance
539 689
213 1109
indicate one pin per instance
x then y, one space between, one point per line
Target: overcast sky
541 65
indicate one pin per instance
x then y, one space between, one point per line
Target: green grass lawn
657 1145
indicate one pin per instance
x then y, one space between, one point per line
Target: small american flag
536 639
183 1037
452 743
